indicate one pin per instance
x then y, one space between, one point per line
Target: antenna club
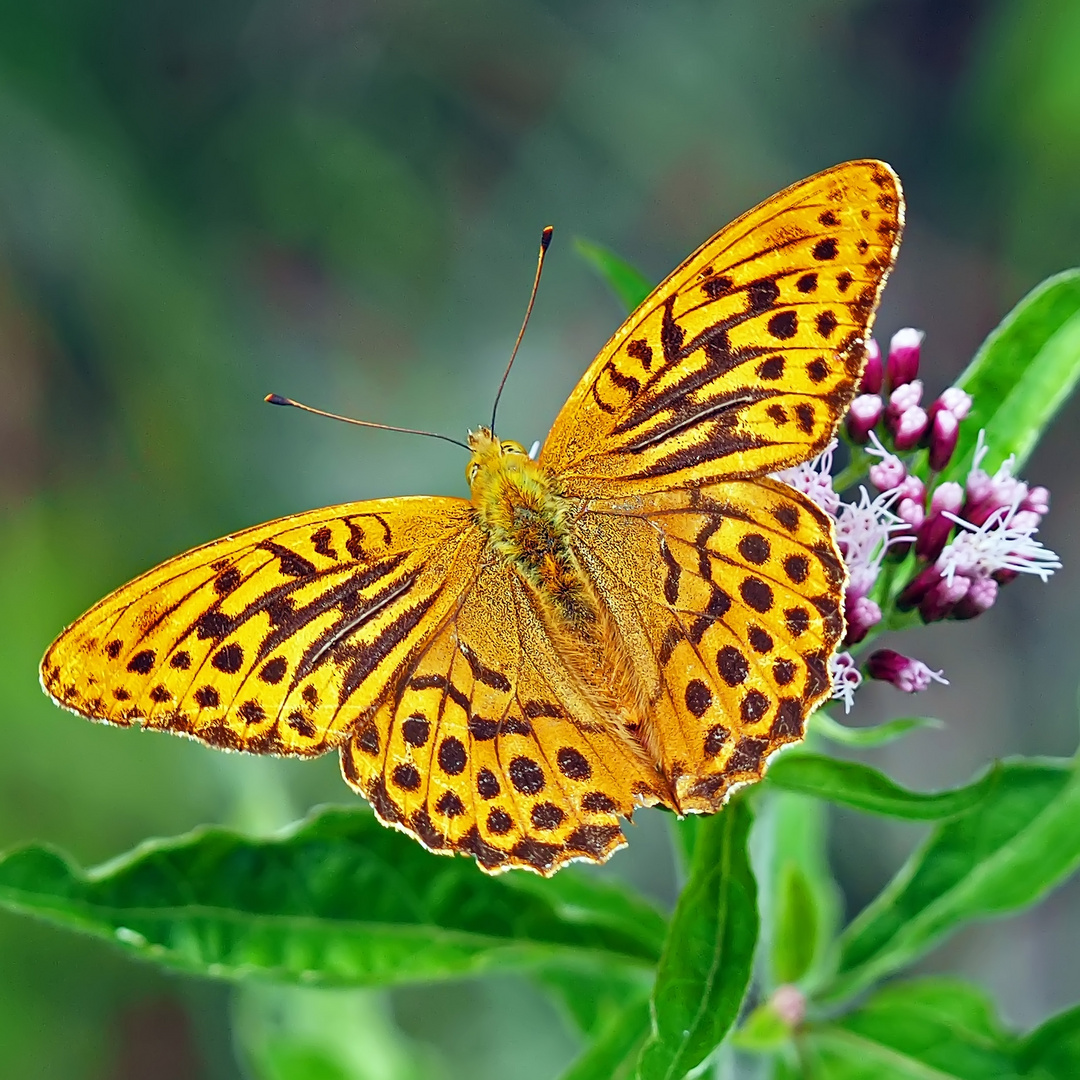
545 237
276 399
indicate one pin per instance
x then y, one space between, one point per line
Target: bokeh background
340 200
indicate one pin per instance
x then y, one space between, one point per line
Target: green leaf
709 952
787 1070
339 900
614 1053
685 831
626 281
869 737
926 1029
299 1033
1005 854
1022 374
1052 1051
854 784
591 995
796 935
799 899
581 897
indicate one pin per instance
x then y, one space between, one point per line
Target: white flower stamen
998 544
814 480
864 532
846 679
917 677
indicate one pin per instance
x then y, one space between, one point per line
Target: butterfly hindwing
729 597
486 747
743 360
276 639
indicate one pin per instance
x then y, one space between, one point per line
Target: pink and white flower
904 672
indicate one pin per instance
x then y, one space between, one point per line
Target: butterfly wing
276 639
488 746
728 597
743 361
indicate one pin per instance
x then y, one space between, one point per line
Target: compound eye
512 448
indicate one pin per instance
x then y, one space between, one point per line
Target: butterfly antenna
545 239
277 399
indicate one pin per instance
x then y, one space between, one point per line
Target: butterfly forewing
729 595
743 361
275 639
489 747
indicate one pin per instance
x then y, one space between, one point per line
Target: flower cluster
949 547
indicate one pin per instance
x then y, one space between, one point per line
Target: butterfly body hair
525 521
528 524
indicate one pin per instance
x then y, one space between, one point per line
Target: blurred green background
340 201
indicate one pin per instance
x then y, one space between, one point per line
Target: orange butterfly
640 617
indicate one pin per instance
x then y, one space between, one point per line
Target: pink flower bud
955 401
911 512
988 494
1025 521
1038 500
939 602
904 397
903 363
933 536
872 373
862 614
909 428
917 588
888 473
902 671
979 598
949 496
863 416
943 437
789 1004
912 488
979 487
861 581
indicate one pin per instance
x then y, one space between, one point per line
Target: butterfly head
492 455
501 469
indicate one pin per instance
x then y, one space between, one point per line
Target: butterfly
639 617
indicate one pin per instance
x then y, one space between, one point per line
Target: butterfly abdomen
527 523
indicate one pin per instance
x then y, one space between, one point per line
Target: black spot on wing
674 572
289 562
320 541
715 287
481 672
439 682
671 333
640 349
761 295
825 250
784 325
142 662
